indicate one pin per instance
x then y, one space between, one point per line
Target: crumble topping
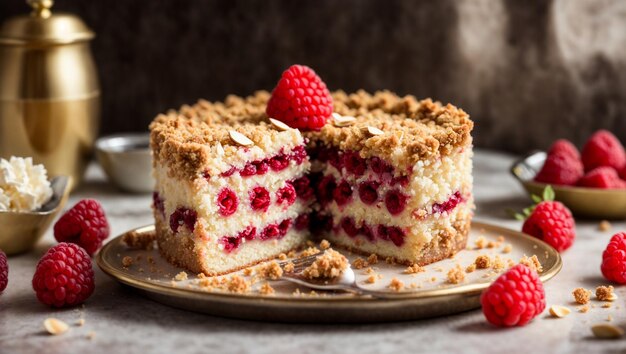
330 264
237 284
470 268
498 264
456 275
581 295
282 256
371 279
605 293
481 242
482 262
289 267
266 289
127 261
309 252
414 268
181 276
270 270
532 263
360 263
247 271
372 259
324 245
507 248
139 240
395 284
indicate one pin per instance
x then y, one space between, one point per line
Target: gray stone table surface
122 321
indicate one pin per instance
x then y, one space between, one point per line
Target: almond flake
374 131
240 138
279 125
606 331
559 311
343 121
55 326
612 297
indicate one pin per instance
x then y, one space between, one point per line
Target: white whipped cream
23 186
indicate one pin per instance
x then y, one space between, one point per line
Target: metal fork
345 282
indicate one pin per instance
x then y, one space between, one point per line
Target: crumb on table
266 289
581 295
481 242
324 244
181 276
482 262
456 275
604 225
605 293
470 268
127 261
414 268
270 270
360 263
372 259
237 284
371 279
507 248
395 284
139 240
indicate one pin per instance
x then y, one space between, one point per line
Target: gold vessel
49 90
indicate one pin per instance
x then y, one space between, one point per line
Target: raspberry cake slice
226 181
394 177
387 175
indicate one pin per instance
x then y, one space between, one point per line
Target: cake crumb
532 263
266 289
369 270
324 245
605 293
481 242
309 252
604 226
498 264
282 257
482 262
470 268
606 305
609 318
371 279
500 239
181 276
270 270
372 259
583 309
139 240
581 295
247 271
390 260
507 248
127 261
289 267
456 275
237 284
395 284
291 254
330 264
360 263
492 244
414 268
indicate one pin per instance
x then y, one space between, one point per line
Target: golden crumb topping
139 240
532 263
372 259
360 263
456 275
482 262
605 293
324 245
270 270
127 261
329 264
266 289
581 295
237 284
414 269
181 276
395 284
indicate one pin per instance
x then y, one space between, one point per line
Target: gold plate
153 276
584 202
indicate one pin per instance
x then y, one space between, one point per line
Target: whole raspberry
367 232
4 271
183 216
391 233
553 223
64 276
601 177
85 225
303 188
379 166
395 202
279 162
562 165
515 298
603 149
300 99
354 163
343 193
325 189
614 259
302 221
368 192
269 232
284 226
286 194
227 202
299 154
259 199
348 225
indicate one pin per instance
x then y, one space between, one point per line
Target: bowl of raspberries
591 182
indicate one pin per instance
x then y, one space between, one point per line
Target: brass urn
49 90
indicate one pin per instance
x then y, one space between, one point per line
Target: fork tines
300 264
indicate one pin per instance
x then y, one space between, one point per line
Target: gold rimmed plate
591 203
426 294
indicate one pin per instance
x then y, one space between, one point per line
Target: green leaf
548 193
515 215
537 199
519 217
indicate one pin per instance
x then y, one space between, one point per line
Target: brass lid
42 27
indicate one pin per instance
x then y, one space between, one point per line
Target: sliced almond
612 297
342 121
240 138
55 326
606 331
279 125
559 311
374 131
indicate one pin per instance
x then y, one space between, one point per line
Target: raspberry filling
269 232
368 192
395 202
279 162
261 167
158 202
303 188
259 199
286 195
183 216
449 204
325 190
302 222
343 193
227 202
349 227
354 163
379 166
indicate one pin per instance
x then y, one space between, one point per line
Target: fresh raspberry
391 233
395 202
366 231
228 172
299 154
269 232
553 223
347 224
227 202
248 170
335 159
183 216
379 166
515 298
261 166
64 276
284 226
300 99
325 189
562 166
403 181
230 243
259 199
614 259
4 271
85 225
343 193
279 162
449 204
564 147
368 192
603 149
601 177
287 194
302 221
249 233
303 188
354 163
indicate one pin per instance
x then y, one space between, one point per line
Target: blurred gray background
528 72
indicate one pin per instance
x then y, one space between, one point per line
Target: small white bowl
127 161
